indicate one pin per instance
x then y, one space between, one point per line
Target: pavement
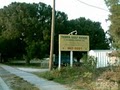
3 85
41 83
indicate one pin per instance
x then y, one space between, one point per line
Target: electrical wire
92 5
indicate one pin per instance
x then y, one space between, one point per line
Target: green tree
31 24
97 35
28 27
61 24
11 48
26 22
114 17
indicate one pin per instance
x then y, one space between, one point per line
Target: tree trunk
27 60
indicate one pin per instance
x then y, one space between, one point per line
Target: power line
92 5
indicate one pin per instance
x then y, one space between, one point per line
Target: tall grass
85 77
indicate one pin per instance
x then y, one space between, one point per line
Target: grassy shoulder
23 64
17 83
77 77
82 79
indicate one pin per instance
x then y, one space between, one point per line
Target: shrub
89 62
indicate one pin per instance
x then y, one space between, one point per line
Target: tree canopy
97 35
25 30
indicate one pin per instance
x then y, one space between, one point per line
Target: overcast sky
75 9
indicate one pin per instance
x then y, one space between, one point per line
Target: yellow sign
73 42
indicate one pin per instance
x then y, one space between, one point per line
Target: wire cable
92 5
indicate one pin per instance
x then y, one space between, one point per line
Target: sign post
71 58
59 64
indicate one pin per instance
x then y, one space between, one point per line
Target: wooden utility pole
52 36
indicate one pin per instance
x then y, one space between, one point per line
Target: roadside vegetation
80 78
22 63
85 77
15 82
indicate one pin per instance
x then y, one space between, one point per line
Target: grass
82 79
69 76
15 82
23 64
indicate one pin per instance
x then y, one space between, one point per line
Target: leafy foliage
97 36
89 62
27 27
27 22
94 30
114 17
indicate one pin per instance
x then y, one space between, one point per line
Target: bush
89 62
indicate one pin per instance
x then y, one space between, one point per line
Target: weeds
86 77
15 82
